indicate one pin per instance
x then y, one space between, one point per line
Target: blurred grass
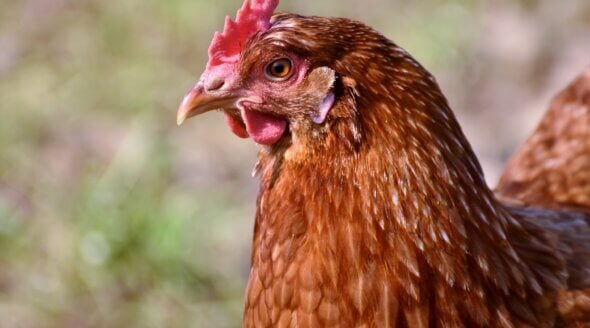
111 216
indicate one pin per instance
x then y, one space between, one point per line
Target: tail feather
552 169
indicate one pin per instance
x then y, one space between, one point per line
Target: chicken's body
379 214
328 253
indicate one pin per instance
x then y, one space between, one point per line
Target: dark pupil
279 68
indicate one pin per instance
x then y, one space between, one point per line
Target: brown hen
553 166
373 210
552 170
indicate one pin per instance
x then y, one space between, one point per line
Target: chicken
552 169
553 166
373 210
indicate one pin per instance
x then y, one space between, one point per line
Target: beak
197 101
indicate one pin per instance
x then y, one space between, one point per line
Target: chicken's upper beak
198 101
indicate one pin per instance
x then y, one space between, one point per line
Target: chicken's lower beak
198 101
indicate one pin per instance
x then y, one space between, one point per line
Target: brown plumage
553 166
552 170
378 215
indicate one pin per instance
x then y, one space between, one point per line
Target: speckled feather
380 217
553 167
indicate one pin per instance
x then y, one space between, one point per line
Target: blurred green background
112 216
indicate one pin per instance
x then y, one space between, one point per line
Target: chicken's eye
279 70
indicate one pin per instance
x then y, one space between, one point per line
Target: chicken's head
265 87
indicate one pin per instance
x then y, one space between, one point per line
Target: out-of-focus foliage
111 216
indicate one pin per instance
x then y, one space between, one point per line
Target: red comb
254 16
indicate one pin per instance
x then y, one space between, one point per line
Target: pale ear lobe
323 79
320 116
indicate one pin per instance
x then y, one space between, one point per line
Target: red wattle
236 125
264 129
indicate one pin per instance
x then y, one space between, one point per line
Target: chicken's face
267 91
266 88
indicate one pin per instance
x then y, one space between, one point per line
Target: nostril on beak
214 84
